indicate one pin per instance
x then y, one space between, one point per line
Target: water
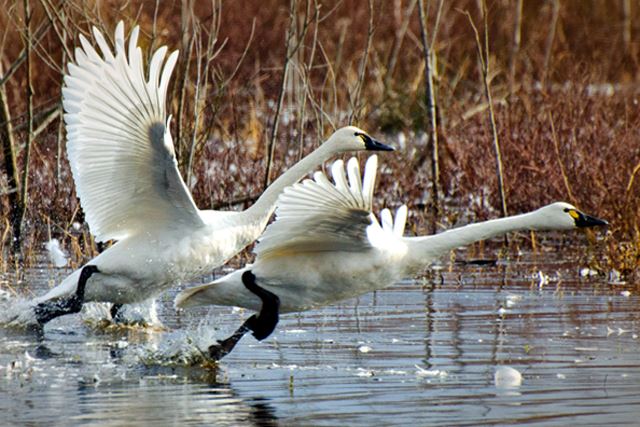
422 352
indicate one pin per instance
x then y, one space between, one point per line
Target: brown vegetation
563 77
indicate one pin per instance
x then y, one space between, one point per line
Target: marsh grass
563 76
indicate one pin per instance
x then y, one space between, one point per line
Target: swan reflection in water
80 379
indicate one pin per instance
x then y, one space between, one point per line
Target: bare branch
430 102
49 118
39 34
555 14
196 99
483 57
290 51
24 194
515 48
51 10
10 161
243 56
356 101
556 147
397 42
305 71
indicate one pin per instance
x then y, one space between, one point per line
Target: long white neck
262 209
424 249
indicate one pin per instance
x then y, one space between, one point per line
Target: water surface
422 352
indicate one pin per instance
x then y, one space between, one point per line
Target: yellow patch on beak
574 214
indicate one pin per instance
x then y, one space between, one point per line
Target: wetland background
546 90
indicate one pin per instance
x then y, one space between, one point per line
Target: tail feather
228 290
193 297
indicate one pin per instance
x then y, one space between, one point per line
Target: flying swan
124 167
326 245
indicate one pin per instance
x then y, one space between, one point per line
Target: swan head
564 216
351 138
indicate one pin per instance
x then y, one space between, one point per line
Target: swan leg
265 322
49 310
261 325
116 315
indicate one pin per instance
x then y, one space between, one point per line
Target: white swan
326 245
124 167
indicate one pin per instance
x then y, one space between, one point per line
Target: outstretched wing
317 215
118 142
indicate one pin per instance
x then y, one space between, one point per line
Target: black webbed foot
224 347
261 325
49 310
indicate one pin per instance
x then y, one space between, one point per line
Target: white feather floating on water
56 255
421 372
364 349
507 377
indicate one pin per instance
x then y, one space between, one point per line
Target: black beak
373 145
585 220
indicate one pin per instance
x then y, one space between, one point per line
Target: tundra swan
125 171
326 245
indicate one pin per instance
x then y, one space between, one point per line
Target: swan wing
318 215
118 140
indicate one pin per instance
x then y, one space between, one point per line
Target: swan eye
362 136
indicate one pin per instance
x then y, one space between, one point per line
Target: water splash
56 255
141 315
17 313
186 347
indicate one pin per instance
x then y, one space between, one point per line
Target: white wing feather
400 221
386 220
316 215
119 145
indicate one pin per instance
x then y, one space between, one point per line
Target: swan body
326 245
130 189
